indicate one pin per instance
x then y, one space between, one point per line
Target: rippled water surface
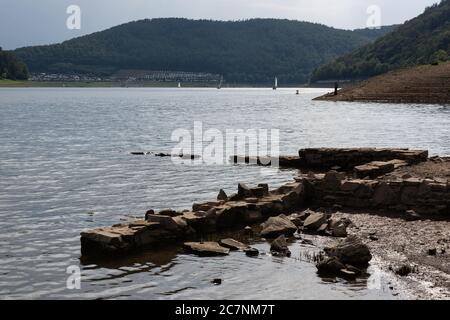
65 166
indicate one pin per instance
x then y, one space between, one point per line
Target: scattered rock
233 244
279 247
207 249
252 252
217 282
315 220
432 252
411 215
373 238
222 196
276 226
351 251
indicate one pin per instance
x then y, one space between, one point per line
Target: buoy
298 92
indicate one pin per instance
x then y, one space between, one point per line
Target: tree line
11 67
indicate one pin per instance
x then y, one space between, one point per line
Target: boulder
233 245
206 249
330 266
222 196
276 226
279 247
338 227
315 220
258 192
351 251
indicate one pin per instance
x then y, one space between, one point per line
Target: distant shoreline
116 84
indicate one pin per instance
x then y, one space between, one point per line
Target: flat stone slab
206 249
233 244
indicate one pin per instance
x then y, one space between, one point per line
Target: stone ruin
351 183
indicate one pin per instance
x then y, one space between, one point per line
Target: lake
65 166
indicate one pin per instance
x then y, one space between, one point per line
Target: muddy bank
429 84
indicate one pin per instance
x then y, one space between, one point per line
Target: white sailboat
275 85
220 83
179 84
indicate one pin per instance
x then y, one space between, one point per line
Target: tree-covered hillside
11 67
422 40
242 51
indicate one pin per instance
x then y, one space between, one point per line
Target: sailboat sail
275 85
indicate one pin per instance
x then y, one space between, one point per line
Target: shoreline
118 84
390 199
426 84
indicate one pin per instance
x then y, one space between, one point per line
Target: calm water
65 166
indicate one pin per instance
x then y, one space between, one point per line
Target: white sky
32 22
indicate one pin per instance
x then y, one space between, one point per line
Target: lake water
65 166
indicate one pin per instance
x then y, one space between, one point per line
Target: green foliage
422 40
242 51
11 68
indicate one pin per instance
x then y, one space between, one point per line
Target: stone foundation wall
425 196
349 158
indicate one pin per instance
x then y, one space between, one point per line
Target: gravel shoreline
396 242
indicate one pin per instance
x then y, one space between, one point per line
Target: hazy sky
32 22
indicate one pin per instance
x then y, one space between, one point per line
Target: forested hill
242 51
11 68
422 40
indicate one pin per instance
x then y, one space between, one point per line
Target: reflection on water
65 166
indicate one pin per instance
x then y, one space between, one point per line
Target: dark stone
351 251
244 191
411 215
432 252
330 266
217 282
279 247
222 196
251 252
149 212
